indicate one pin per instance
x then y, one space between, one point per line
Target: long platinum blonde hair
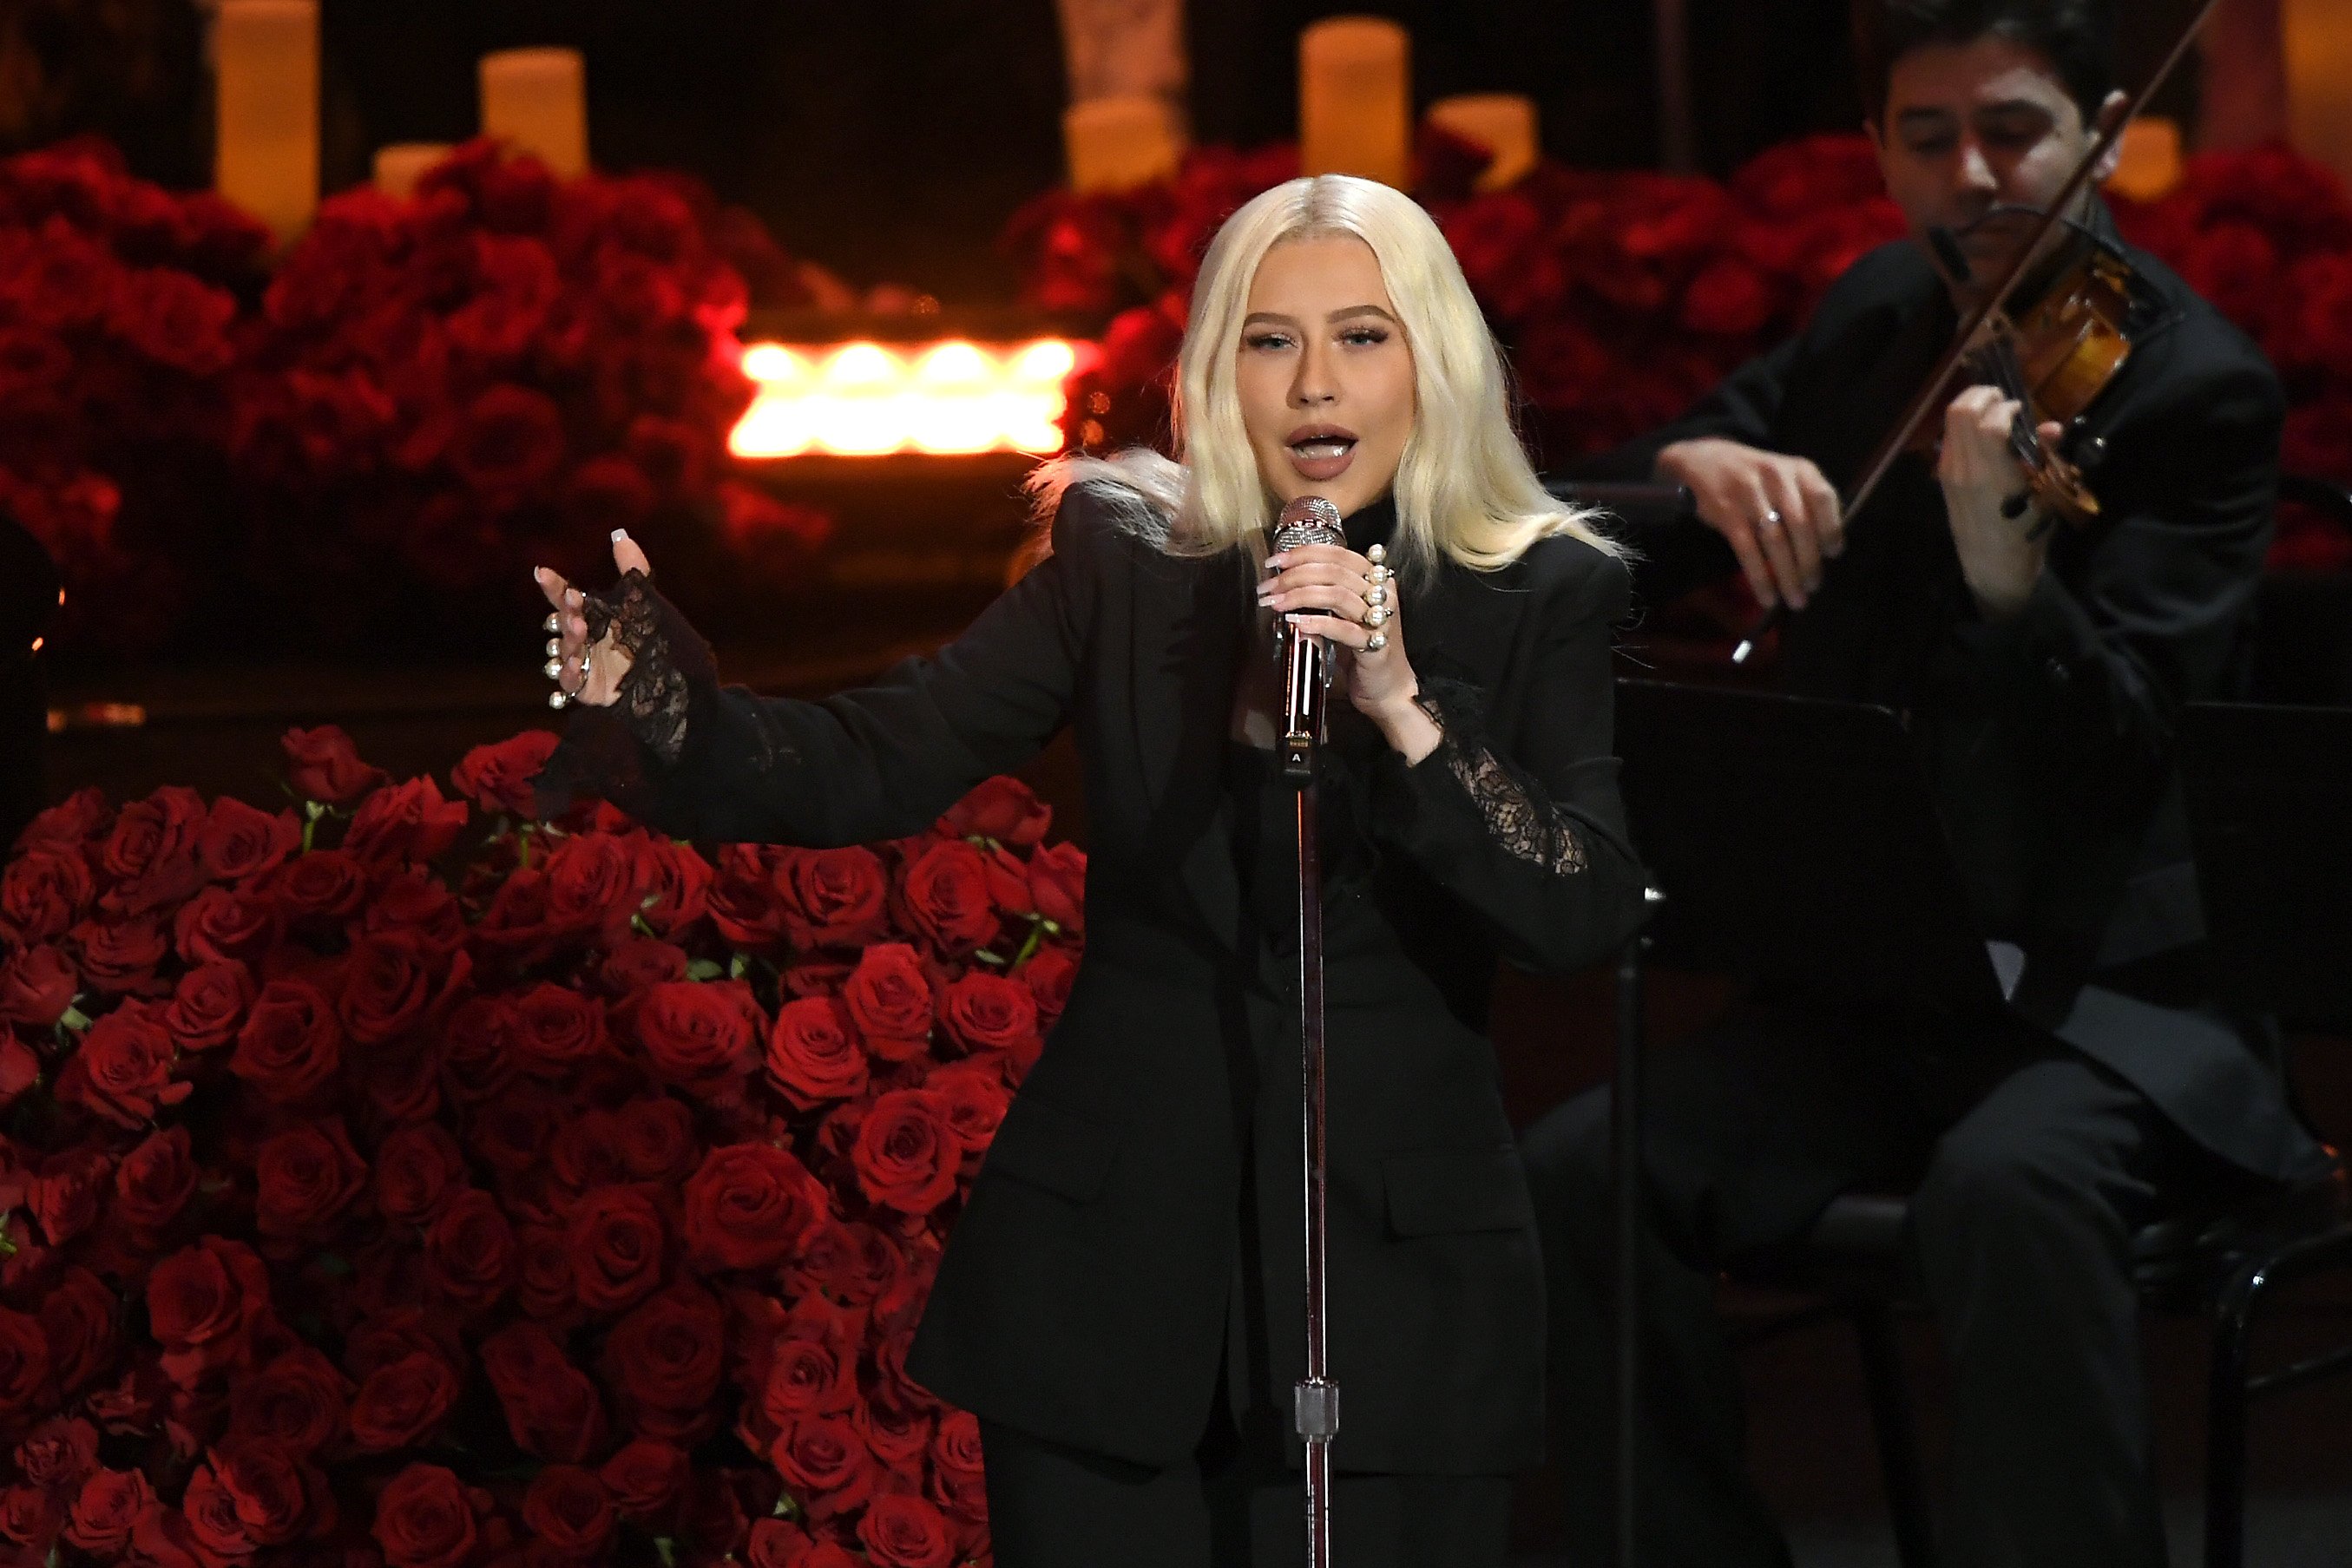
1464 489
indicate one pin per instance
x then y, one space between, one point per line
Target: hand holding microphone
1338 604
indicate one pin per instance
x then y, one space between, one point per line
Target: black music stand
1795 841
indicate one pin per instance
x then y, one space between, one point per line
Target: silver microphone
1306 658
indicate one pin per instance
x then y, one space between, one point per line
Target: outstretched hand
589 673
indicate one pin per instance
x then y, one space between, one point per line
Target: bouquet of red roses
393 1179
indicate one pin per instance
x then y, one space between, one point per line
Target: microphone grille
1309 520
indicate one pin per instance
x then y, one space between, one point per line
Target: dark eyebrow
2006 108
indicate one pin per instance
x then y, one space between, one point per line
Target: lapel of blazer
1190 617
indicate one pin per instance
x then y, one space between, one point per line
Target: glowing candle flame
868 399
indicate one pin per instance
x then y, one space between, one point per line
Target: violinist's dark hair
2077 37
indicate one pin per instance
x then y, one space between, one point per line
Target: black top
1084 1289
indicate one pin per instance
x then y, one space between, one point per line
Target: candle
1502 122
1118 143
1355 113
2149 164
265 152
400 165
2318 39
536 101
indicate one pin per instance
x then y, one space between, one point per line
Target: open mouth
1321 451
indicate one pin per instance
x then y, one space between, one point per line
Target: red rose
889 998
903 1531
1057 886
640 961
44 891
584 1153
747 1206
407 821
543 1272
644 1476
119 957
665 1358
469 1250
304 1180
512 1132
497 777
324 765
37 985
1002 809
324 885
19 1068
897 1432
813 1370
156 1180
31 1517
208 1006
515 927
291 1044
110 1503
413 906
745 907
989 1012
66 1194
417 1170
815 1054
387 984
151 854
568 1512
203 1305
298 1400
123 1071
78 1315
218 926
476 1064
239 841
776 1543
401 1404
829 1468
555 1028
976 1097
617 1243
509 442
424 1519
948 899
832 898
1049 974
66 824
59 1454
676 883
700 1036
26 1388
552 1409
593 883
656 1139
274 1496
906 1154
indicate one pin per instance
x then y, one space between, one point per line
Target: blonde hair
1464 488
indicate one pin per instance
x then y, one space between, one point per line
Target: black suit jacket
1086 1288
2048 737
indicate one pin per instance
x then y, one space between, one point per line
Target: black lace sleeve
616 752
1518 812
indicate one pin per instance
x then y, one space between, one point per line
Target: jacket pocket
1043 1144
1436 1192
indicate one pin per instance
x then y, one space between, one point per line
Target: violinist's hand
1779 513
1979 474
1380 682
589 673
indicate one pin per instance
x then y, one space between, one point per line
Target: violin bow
1995 299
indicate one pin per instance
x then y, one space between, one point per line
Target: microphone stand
1306 675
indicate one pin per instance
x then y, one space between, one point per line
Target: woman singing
1121 1302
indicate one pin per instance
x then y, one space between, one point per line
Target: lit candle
266 94
400 165
2149 166
1502 122
536 101
1118 143
1355 114
2318 39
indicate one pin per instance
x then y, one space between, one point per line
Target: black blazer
2048 737
1088 1286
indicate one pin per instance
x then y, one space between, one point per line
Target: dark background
890 139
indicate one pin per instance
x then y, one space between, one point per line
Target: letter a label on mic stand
1306 678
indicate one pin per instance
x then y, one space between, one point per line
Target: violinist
2041 667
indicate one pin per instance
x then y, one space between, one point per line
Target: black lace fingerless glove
614 752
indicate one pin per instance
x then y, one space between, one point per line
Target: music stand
1796 838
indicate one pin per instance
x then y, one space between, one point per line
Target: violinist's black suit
2047 738
1121 1300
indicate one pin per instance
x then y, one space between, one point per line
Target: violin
2051 335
